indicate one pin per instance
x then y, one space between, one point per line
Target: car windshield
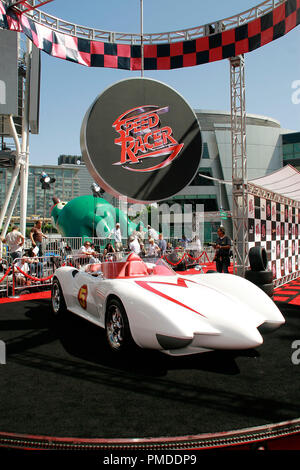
129 268
159 267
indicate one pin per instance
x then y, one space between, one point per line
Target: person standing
118 237
36 237
162 244
140 233
134 245
222 247
152 233
15 242
153 249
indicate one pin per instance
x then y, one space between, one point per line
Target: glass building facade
291 149
39 201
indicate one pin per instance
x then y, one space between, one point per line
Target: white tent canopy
285 181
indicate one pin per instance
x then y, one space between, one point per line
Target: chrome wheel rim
115 328
55 298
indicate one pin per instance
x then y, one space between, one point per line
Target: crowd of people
144 242
15 241
27 262
150 243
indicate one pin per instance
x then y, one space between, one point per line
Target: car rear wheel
117 327
259 277
58 303
258 258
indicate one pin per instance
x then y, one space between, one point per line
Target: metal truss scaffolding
31 8
239 165
23 6
18 186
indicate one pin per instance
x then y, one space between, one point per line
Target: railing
5 272
36 273
32 273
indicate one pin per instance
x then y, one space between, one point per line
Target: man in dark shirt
36 237
222 247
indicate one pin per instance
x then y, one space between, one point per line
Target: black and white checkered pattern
276 227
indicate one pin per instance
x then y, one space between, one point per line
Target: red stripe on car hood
180 283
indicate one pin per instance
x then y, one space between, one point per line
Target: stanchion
14 295
4 277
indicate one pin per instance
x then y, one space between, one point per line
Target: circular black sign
140 139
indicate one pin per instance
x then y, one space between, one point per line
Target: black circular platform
64 382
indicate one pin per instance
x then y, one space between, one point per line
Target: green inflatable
88 216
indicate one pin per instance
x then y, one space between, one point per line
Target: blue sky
67 89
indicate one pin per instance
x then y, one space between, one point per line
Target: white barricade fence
5 276
33 273
62 246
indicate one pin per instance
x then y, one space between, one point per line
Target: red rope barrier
189 256
196 259
6 274
175 264
32 277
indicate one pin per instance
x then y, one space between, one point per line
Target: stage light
97 191
46 180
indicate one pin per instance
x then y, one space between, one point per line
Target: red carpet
32 296
289 293
209 266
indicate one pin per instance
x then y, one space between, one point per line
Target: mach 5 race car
145 303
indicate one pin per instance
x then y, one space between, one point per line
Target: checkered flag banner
275 226
223 45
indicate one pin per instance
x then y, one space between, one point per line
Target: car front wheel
57 299
117 327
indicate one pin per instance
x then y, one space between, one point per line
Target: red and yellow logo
82 296
141 137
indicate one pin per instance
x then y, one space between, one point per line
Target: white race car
145 303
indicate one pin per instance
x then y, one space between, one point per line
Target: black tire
117 328
58 304
258 258
259 277
268 289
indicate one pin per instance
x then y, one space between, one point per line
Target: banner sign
8 73
140 139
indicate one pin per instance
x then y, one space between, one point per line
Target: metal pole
10 212
239 165
25 144
15 174
142 36
44 209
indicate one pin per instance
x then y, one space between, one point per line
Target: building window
205 153
200 180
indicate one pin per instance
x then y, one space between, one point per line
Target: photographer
222 255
